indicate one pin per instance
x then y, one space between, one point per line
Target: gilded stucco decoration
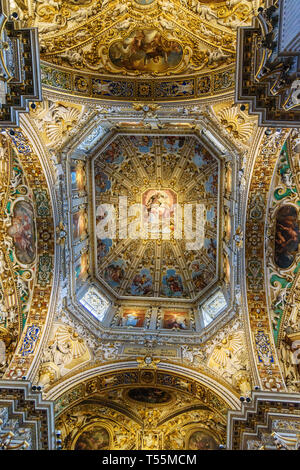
138 415
237 123
26 252
57 121
282 257
166 173
65 351
90 49
229 358
262 335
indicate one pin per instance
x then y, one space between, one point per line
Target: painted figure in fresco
130 320
175 321
103 247
172 284
79 224
173 143
212 184
102 182
82 267
78 177
22 232
94 439
142 283
200 275
157 203
200 440
143 143
113 154
149 395
159 210
287 236
201 156
146 50
114 273
133 319
211 247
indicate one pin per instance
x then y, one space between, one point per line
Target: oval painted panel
22 232
144 2
287 236
146 51
149 395
95 438
201 440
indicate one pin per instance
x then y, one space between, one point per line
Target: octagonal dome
156 216
151 221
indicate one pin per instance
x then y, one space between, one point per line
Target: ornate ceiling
158 176
139 49
141 333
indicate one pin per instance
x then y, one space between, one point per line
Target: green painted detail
276 331
297 268
283 169
282 281
17 169
288 192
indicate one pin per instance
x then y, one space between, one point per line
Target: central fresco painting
156 216
146 50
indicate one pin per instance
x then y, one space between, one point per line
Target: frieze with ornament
132 378
187 88
283 234
268 153
29 188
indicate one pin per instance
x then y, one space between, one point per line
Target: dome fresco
158 184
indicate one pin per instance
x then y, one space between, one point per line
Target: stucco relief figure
22 232
59 353
288 358
146 50
228 357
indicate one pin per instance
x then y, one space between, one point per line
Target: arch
31 152
225 396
